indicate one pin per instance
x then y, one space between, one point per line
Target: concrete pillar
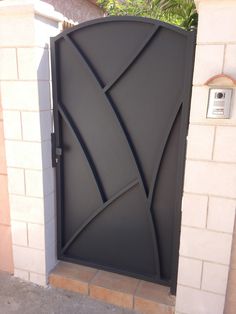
209 201
25 29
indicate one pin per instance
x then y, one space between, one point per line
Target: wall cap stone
221 80
34 7
197 2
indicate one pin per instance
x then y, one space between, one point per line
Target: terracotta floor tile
75 272
115 282
111 296
155 293
58 281
127 292
150 307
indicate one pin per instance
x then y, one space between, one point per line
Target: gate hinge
56 151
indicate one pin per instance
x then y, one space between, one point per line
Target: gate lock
56 151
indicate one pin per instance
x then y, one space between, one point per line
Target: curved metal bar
132 59
161 149
115 112
157 168
119 19
98 212
133 152
70 123
84 59
129 142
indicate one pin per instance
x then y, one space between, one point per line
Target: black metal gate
121 89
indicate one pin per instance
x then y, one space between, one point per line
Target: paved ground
21 297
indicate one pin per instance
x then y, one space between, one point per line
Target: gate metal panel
121 94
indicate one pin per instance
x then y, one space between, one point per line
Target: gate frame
56 151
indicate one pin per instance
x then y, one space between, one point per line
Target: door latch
56 151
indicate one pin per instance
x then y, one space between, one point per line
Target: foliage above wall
179 12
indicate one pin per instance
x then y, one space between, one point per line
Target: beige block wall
209 201
26 102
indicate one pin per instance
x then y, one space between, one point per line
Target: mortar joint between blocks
224 55
21 126
27 233
207 211
201 280
213 144
207 229
201 289
24 181
17 66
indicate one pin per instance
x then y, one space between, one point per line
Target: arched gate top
137 19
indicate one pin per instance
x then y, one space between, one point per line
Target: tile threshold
142 296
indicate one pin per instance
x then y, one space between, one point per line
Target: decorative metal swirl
147 193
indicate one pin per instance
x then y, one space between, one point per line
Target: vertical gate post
209 200
25 29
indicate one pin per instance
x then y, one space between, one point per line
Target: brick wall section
209 201
6 262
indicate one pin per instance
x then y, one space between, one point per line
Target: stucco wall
230 303
77 10
6 263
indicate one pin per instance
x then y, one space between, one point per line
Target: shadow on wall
48 174
45 123
76 10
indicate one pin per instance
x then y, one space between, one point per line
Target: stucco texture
6 260
76 10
